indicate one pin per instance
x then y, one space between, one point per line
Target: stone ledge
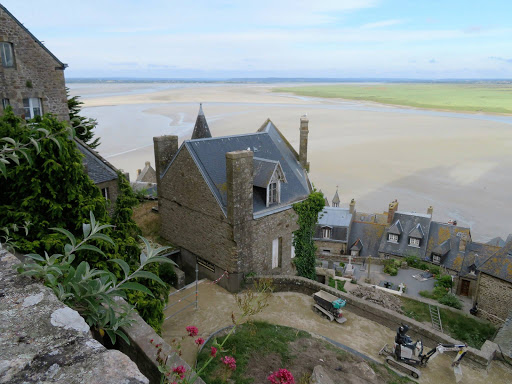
45 341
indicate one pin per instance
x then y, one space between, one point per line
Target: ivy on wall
305 248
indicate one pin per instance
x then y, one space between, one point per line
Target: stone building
332 231
227 201
102 173
366 233
147 175
31 77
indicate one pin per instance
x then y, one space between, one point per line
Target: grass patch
476 97
149 222
459 326
258 337
341 284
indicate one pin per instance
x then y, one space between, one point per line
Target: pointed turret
336 199
201 130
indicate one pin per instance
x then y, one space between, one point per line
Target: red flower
283 376
213 352
229 361
180 370
192 331
199 341
151 341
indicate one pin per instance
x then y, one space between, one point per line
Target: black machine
407 354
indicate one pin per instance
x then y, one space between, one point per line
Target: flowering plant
283 376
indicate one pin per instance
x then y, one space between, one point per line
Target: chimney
127 175
303 149
239 180
352 206
138 172
148 164
165 149
430 211
393 207
463 242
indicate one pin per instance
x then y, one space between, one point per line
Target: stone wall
335 248
494 298
42 340
113 193
383 316
35 73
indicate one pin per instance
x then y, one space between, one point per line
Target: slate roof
357 246
336 198
369 235
268 143
444 240
476 254
338 219
500 264
148 174
263 171
201 129
497 242
98 169
408 222
417 232
60 63
396 228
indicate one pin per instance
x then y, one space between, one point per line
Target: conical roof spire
336 199
201 129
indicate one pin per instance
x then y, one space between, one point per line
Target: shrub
444 281
341 284
451 301
390 267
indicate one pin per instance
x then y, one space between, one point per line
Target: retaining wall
383 316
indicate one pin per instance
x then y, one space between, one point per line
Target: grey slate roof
60 63
369 234
497 242
98 169
333 216
476 254
408 221
268 143
444 240
201 129
263 171
396 228
443 248
357 246
499 264
148 174
417 232
337 233
336 198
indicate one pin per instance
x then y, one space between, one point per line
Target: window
354 253
326 232
326 250
273 193
5 103
293 247
276 252
32 107
6 53
436 259
393 238
414 242
104 192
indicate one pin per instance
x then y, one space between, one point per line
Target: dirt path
294 310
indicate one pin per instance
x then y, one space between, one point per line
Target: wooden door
464 288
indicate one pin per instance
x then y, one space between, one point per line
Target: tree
83 125
305 248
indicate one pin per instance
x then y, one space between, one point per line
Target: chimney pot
303 148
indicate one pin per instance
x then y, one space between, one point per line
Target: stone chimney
138 172
463 242
393 207
352 206
303 149
165 149
430 211
239 179
147 164
127 175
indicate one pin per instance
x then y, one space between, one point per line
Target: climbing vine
305 248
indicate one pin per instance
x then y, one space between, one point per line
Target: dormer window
436 259
392 238
326 232
6 55
268 174
414 242
273 193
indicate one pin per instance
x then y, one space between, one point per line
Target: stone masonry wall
383 316
44 341
31 64
494 298
268 228
335 248
191 217
113 192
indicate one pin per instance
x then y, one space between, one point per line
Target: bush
341 284
444 281
390 267
451 301
167 273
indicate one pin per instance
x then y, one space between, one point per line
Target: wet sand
458 163
295 310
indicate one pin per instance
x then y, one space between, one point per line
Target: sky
424 39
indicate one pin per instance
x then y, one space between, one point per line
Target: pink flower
229 361
192 331
199 341
283 376
213 352
180 371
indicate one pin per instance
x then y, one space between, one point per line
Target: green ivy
305 249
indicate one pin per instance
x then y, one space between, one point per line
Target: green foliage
341 284
82 125
390 267
444 281
415 262
90 291
305 248
123 208
451 301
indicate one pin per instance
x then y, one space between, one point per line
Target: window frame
105 193
392 238
326 232
5 103
30 109
414 242
3 59
436 259
273 193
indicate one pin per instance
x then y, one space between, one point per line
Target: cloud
382 24
432 61
497 58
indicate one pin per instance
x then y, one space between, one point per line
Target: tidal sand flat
458 163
